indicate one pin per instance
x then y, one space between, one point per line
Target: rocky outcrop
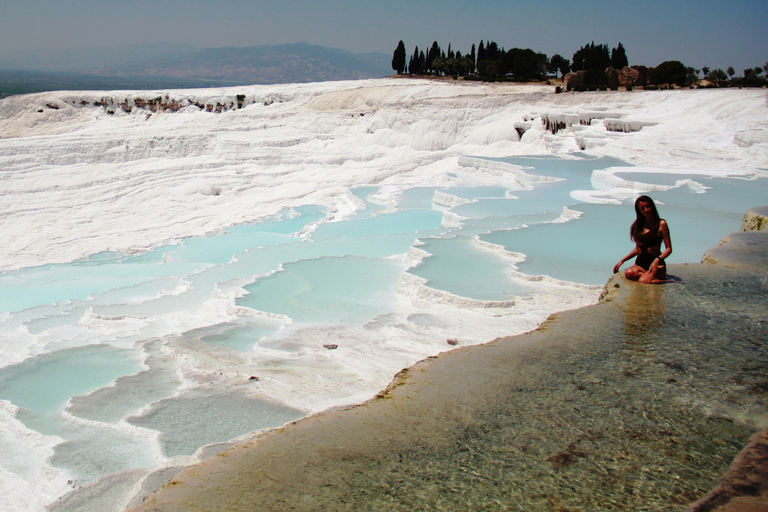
155 105
751 241
627 77
756 219
744 488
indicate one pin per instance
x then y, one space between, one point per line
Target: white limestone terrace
158 177
89 172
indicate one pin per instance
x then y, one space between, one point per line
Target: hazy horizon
712 34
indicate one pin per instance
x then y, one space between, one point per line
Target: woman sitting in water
648 231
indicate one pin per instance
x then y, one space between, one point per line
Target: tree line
488 61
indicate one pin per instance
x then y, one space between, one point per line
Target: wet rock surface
745 486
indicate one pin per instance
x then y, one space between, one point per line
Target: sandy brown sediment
640 402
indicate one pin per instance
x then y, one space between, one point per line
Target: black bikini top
651 238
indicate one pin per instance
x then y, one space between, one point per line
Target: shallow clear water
186 422
638 403
44 383
484 274
327 290
94 336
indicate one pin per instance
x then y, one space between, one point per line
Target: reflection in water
643 318
644 311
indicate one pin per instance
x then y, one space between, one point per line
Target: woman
648 232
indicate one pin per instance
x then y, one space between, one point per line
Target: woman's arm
664 230
629 256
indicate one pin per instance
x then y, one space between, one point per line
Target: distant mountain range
300 62
174 63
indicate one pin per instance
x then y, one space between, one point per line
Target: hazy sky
699 33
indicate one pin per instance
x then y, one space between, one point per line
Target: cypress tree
414 66
619 57
398 59
432 54
492 51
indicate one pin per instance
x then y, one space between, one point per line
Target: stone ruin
627 77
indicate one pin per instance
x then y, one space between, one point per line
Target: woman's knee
646 278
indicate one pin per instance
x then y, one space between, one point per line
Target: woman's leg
660 277
634 273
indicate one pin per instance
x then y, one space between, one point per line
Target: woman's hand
654 266
634 252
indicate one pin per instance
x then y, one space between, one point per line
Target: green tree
491 60
492 51
398 59
751 77
594 60
488 68
433 53
480 51
691 75
730 72
670 72
619 57
413 62
559 63
418 61
717 75
705 70
439 65
591 56
524 64
465 65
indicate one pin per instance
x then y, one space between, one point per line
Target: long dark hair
637 226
